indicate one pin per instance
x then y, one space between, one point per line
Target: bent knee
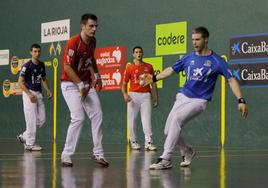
79 118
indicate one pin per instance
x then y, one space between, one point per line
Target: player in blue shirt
202 68
31 76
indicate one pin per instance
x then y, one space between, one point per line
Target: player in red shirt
139 99
78 82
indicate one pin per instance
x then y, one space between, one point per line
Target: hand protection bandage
81 85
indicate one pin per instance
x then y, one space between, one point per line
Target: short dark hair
87 16
35 46
137 47
202 30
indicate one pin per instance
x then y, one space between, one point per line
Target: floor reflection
33 171
71 177
138 173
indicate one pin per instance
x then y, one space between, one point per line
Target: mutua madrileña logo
249 46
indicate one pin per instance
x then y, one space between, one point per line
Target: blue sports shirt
33 74
201 74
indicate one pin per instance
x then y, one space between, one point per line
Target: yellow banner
171 38
157 63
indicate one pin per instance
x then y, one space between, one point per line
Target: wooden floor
211 168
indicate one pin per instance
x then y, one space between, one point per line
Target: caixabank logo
251 75
249 46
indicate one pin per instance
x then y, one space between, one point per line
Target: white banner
4 57
55 31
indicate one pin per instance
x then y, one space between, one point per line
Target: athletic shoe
187 158
100 160
135 145
161 164
20 139
150 147
66 161
32 148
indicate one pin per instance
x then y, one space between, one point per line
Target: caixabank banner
249 59
111 62
252 74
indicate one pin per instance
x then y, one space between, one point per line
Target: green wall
131 23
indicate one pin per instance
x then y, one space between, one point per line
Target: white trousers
184 110
91 105
141 102
35 116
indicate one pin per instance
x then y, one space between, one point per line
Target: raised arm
147 79
167 72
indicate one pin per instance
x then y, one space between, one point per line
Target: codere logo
171 38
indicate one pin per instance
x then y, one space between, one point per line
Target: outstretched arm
147 79
242 107
165 73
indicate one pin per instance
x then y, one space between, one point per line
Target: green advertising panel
171 38
157 63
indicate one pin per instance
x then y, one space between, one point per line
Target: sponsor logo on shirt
207 63
88 61
198 72
70 53
23 69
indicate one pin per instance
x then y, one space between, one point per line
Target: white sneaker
20 138
32 148
135 145
187 158
66 161
150 147
100 160
161 164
